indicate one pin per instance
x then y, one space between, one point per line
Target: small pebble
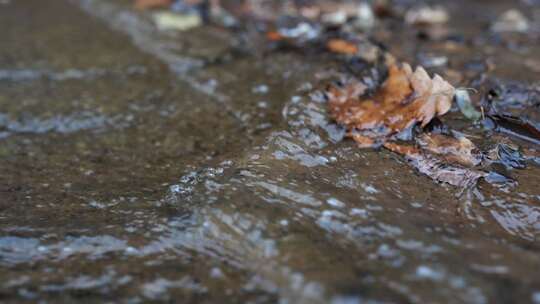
511 21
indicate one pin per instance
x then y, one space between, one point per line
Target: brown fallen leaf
149 4
435 167
342 46
274 36
453 149
442 172
404 99
358 49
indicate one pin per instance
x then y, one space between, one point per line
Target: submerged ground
137 165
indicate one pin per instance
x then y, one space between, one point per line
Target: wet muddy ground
138 165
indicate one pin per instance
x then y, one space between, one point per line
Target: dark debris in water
515 126
508 155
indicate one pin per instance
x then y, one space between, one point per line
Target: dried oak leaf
404 99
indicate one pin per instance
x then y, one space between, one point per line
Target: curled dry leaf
404 99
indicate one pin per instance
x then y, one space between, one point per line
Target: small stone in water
365 18
260 89
511 21
179 22
536 297
335 18
432 61
427 16
335 202
216 273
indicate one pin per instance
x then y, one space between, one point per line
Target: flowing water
144 166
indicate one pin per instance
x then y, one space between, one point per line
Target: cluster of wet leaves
378 100
246 190
396 103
